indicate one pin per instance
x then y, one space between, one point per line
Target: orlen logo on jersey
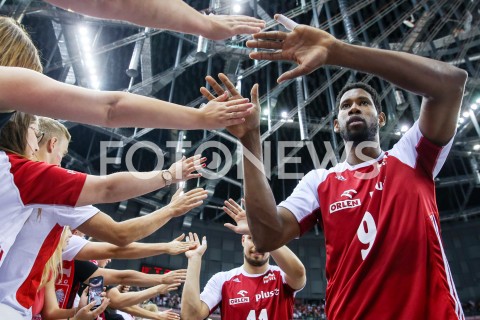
269 277
345 204
266 294
241 299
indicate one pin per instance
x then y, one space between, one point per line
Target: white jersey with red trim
21 272
385 259
26 185
244 296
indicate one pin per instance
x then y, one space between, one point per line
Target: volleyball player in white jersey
256 290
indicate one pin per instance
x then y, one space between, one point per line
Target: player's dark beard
368 133
256 263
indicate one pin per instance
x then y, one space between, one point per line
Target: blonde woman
51 271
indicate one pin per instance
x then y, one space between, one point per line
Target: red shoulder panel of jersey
309 221
41 183
428 154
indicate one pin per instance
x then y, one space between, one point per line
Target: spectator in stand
19 285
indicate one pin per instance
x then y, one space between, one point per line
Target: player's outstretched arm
440 84
173 15
192 307
294 269
54 99
270 227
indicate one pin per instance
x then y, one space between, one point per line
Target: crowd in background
312 310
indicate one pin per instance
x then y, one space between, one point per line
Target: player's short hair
360 85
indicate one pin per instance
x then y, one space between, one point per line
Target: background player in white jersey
256 290
378 212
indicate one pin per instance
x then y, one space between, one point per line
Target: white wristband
286 22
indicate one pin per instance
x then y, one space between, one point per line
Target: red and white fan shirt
26 185
21 272
385 258
244 296
73 247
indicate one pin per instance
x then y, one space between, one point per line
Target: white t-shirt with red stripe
25 185
244 296
385 258
21 272
74 246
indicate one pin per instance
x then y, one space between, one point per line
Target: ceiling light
476 147
284 114
265 112
85 40
466 114
88 57
404 128
478 100
398 133
474 106
408 23
237 8
83 30
461 120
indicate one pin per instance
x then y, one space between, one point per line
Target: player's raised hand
236 212
219 90
200 247
252 121
307 46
